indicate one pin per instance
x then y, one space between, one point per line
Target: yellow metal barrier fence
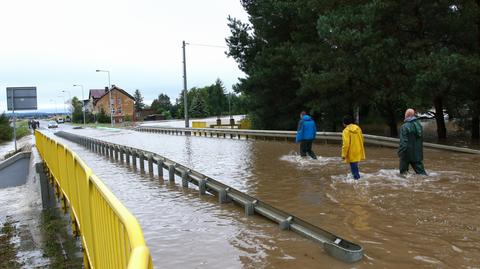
111 236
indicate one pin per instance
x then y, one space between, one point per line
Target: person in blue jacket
306 132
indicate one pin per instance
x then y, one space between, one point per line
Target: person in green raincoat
410 150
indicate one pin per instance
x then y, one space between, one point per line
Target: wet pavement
412 222
21 205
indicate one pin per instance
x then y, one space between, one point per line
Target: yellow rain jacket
352 147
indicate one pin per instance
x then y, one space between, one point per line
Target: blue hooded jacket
306 129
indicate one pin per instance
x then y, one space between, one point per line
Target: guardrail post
110 151
223 196
249 208
150 164
116 152
127 156
134 159
160 168
171 172
185 179
122 150
202 186
105 150
285 224
142 162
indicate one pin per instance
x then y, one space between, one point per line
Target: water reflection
402 222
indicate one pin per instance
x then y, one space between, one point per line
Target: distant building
148 114
93 96
122 103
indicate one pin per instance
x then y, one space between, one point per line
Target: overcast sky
53 44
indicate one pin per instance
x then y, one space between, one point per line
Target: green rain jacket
411 141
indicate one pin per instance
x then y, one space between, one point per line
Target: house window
119 105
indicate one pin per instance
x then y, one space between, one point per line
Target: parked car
60 120
52 124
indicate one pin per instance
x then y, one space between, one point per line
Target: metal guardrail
332 244
290 135
111 236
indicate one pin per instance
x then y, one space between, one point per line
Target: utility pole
83 102
187 124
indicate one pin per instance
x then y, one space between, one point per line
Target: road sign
24 98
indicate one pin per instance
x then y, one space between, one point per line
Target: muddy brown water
412 222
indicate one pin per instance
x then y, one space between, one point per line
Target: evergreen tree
198 107
139 105
161 104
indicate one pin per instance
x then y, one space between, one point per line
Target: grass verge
8 251
59 246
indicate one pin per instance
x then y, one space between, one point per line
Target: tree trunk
476 126
392 123
441 129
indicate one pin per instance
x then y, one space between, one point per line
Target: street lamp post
83 102
70 98
109 95
187 124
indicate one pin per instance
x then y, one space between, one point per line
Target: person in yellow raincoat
352 145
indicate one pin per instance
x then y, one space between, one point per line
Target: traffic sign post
20 98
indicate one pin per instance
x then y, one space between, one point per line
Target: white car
60 120
52 124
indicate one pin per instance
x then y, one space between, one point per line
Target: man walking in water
410 150
352 145
306 132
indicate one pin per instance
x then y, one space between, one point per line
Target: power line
206 45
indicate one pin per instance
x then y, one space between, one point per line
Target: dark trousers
306 148
355 170
417 166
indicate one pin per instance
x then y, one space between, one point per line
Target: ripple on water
307 162
427 259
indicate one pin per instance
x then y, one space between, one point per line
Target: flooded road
412 222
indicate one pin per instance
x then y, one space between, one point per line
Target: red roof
96 93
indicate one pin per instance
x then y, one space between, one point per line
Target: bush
6 132
22 129
102 117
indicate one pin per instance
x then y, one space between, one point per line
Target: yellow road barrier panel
111 236
199 124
